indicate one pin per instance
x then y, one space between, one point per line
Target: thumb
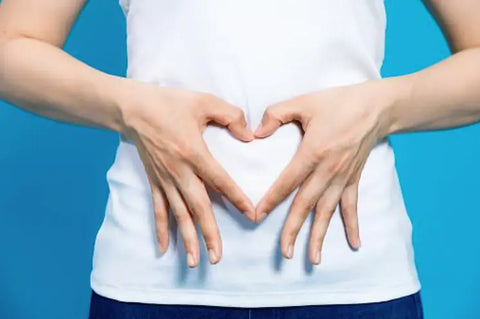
276 115
231 117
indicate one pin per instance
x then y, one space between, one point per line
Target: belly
127 235
253 54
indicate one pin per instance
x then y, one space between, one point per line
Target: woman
243 119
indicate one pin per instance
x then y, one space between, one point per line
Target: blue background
53 188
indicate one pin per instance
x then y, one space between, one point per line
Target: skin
38 76
329 161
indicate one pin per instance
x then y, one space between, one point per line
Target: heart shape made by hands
254 165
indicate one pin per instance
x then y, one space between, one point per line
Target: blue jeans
409 307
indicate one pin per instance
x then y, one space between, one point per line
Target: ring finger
185 222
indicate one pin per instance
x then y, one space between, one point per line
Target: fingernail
190 260
258 130
251 209
261 216
355 243
358 244
250 216
290 251
250 212
247 136
316 258
161 249
212 256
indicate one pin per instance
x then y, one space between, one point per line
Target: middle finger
302 205
324 211
196 196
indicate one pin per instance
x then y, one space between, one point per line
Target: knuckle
237 115
210 234
310 203
338 166
161 231
291 232
304 199
159 208
170 166
347 210
160 214
323 213
217 183
209 239
200 209
316 239
174 148
269 203
203 98
214 185
352 185
304 203
278 193
193 156
182 216
334 167
270 113
318 154
348 205
185 151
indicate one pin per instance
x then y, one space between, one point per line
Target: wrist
122 93
396 92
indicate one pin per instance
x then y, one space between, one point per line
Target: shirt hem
252 300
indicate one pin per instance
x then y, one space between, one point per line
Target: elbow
3 44
463 44
9 37
3 39
8 49
6 38
458 49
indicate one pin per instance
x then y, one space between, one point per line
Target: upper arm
46 20
459 20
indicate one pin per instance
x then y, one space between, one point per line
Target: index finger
214 175
295 173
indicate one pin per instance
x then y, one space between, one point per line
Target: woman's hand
341 125
167 125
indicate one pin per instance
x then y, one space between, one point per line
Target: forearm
41 78
442 96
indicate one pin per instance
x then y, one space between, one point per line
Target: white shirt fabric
254 53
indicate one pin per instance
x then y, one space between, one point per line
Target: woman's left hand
341 125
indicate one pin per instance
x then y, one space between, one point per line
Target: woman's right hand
166 126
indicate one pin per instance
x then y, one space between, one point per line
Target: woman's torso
254 53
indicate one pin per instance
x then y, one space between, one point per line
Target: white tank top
254 53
